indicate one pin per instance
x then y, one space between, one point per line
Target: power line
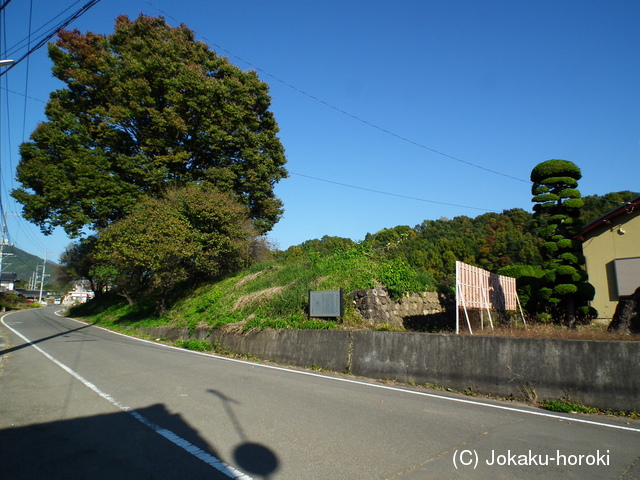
19 45
8 90
366 123
42 40
7 2
389 193
26 78
350 115
46 37
356 187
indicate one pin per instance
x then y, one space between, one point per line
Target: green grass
567 406
269 295
193 344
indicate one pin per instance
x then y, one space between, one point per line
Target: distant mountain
29 267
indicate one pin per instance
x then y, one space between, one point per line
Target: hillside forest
508 243
271 291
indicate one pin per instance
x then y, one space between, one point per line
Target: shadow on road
253 458
112 446
40 340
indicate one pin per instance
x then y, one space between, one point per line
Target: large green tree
142 109
191 234
558 203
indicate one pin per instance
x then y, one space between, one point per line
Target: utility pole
4 242
44 264
3 63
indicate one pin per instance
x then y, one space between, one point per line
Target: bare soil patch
582 332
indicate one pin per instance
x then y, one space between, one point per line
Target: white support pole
458 290
486 303
466 314
520 307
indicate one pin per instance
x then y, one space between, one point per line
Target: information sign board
326 303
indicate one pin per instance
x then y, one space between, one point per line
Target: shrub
400 278
565 289
565 243
574 203
566 270
544 317
193 344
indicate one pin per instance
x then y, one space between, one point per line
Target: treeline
491 241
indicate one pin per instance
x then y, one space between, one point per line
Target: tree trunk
626 318
129 299
570 318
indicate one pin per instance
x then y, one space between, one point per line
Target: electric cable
40 42
389 193
52 32
350 115
7 2
346 185
26 78
19 45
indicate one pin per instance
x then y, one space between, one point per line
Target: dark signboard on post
326 303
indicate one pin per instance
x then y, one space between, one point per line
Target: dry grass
256 297
249 278
582 332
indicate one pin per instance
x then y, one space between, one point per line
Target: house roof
30 293
626 208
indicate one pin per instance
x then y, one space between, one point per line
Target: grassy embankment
269 295
275 295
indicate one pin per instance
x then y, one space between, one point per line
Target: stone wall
376 306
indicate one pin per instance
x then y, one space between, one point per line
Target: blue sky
391 113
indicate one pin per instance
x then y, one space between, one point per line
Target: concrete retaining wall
304 348
597 373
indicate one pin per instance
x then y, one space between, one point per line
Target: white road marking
385 387
168 434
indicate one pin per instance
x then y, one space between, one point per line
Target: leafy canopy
190 235
143 109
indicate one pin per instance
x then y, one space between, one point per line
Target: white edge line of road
384 387
168 434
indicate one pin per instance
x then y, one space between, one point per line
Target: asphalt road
79 402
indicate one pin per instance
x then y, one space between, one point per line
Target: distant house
34 295
611 246
8 281
81 293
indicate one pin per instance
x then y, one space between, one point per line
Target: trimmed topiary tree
557 203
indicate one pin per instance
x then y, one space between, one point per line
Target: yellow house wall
600 248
